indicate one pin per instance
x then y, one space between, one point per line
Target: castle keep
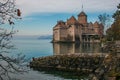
80 30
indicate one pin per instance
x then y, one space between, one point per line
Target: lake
38 48
34 48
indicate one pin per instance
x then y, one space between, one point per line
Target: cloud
29 7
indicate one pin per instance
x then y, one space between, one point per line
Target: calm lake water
38 48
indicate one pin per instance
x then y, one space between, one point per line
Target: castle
77 30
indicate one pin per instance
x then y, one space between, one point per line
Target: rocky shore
107 65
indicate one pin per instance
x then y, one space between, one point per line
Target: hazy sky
40 16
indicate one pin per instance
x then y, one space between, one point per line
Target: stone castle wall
73 30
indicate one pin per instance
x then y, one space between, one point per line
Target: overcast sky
40 16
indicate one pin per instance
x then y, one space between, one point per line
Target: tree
113 33
116 15
105 19
8 12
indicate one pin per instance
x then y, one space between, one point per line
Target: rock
94 78
111 78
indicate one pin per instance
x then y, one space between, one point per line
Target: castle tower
82 18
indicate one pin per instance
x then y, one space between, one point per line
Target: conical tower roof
96 24
72 20
82 14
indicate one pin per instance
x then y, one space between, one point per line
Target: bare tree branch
9 12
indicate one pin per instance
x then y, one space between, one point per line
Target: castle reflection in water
74 48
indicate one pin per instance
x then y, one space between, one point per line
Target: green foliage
113 33
116 15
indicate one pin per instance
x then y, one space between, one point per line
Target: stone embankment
96 64
68 62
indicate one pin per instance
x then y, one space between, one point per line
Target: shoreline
95 64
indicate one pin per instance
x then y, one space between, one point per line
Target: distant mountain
32 37
45 37
25 37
